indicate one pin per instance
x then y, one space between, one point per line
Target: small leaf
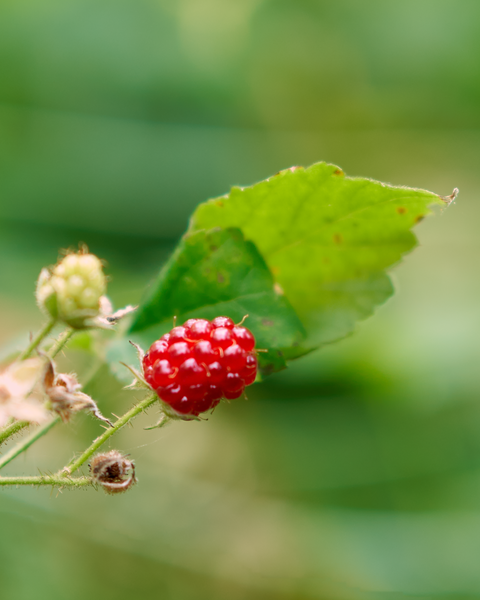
326 238
216 273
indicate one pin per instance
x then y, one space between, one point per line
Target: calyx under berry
198 363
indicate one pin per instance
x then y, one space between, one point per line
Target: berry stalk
74 465
52 480
12 429
41 335
27 442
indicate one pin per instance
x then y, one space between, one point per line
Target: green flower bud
72 290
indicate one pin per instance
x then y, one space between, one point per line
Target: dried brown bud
113 471
66 397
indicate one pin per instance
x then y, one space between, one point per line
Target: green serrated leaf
327 239
216 273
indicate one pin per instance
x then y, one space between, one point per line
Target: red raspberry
204 352
163 373
221 337
244 338
223 322
200 330
217 372
234 358
178 352
196 364
191 373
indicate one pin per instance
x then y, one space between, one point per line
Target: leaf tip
451 198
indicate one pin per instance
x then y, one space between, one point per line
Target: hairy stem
121 422
41 335
12 429
53 480
61 342
27 442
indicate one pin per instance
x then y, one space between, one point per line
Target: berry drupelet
200 362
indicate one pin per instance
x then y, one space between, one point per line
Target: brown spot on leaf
419 218
401 210
338 172
213 248
337 238
278 289
267 370
220 203
268 322
220 278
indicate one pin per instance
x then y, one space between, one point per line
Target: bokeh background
355 474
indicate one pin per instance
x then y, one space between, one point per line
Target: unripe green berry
71 292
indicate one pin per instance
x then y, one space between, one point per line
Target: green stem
12 430
121 422
47 480
61 342
47 328
27 442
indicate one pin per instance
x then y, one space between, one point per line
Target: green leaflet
216 273
327 239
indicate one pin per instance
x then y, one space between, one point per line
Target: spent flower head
21 396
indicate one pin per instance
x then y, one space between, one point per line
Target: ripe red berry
249 379
171 393
250 367
200 330
204 352
158 351
223 322
196 392
184 405
191 373
244 338
178 334
197 363
234 394
233 382
234 358
217 373
163 373
189 323
178 352
221 337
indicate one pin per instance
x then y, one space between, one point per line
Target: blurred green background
355 474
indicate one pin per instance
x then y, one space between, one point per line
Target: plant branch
12 429
121 422
52 480
27 442
41 335
61 342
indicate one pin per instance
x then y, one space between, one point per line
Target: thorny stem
12 429
121 422
52 480
27 442
42 334
61 342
